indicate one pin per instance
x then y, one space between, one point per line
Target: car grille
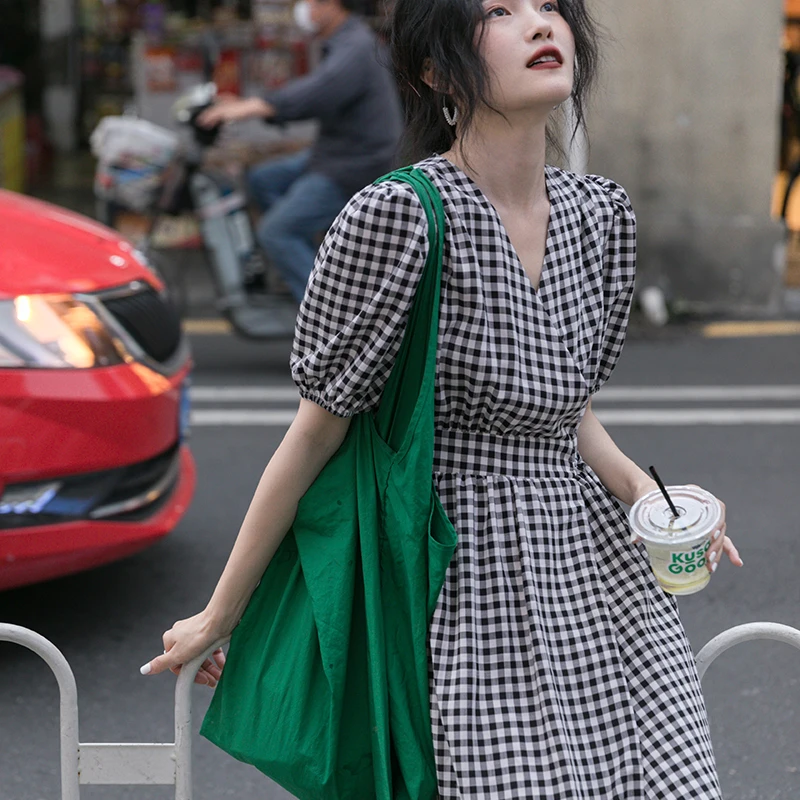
127 493
150 319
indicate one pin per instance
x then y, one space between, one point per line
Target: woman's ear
428 75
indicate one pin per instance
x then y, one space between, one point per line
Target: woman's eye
499 12
550 7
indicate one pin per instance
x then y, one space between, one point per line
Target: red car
94 373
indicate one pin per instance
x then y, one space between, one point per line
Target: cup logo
687 563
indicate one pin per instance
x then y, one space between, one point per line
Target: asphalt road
108 622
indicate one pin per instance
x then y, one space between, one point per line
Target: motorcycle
163 174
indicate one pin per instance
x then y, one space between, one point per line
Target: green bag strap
412 379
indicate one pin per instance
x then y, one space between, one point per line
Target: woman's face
529 52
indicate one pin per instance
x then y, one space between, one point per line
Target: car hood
47 249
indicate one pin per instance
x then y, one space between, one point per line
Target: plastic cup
677 546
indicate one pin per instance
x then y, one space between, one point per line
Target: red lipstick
546 58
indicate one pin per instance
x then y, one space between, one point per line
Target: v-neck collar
465 182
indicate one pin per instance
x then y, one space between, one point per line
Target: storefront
142 53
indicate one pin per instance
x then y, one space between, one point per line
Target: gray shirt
355 99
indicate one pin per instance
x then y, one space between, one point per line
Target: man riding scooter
355 99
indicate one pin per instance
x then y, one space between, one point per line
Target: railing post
183 727
52 656
183 723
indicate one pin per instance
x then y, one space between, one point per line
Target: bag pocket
442 542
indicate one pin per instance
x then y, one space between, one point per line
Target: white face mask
302 17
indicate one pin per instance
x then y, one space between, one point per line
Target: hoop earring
450 118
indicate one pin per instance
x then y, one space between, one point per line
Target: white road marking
246 417
700 416
619 394
697 393
644 417
244 394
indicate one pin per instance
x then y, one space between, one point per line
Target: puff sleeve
351 322
619 273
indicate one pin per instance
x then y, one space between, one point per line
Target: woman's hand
720 543
187 639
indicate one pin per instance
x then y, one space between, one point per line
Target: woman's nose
539 27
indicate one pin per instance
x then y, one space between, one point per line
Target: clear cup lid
699 513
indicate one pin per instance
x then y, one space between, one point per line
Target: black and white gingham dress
559 669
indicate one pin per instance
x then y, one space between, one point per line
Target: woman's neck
506 162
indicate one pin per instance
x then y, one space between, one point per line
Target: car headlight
54 331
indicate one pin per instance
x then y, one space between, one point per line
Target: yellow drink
677 546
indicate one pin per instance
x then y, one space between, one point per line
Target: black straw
664 492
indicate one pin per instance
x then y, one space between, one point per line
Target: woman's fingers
158 665
718 540
211 670
205 679
733 553
208 675
214 665
713 554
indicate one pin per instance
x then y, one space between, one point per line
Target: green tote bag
325 689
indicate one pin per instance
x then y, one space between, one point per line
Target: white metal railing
108 763
171 763
744 633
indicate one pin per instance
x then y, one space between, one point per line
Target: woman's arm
313 438
624 479
627 482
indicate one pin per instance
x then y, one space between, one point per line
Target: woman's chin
541 107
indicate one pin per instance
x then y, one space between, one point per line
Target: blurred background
697 115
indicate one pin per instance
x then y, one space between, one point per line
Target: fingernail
712 557
717 534
714 567
145 670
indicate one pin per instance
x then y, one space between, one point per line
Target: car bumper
63 422
32 554
106 449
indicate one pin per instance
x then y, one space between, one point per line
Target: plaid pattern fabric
559 669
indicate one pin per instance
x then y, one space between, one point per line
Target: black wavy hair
445 34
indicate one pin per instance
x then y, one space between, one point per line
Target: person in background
355 99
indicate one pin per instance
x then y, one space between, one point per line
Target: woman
559 669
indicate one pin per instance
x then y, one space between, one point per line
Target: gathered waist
478 453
